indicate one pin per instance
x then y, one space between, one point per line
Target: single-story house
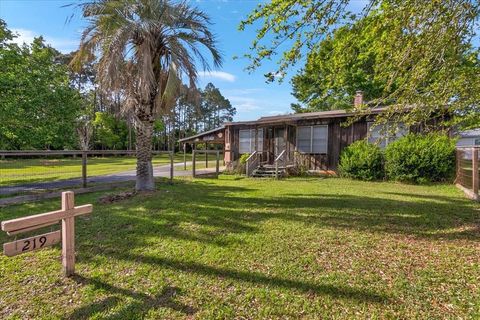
314 140
469 138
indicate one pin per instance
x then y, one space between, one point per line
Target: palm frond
146 48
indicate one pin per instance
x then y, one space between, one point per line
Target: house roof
202 134
472 133
307 115
286 118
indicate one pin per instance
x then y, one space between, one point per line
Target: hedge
362 160
418 158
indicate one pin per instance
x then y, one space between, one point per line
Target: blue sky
249 93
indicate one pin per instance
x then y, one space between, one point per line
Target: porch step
268 172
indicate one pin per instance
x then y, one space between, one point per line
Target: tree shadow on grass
413 214
207 213
141 304
229 210
429 197
427 218
363 295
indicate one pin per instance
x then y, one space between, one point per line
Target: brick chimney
358 101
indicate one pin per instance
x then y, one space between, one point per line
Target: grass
20 171
258 249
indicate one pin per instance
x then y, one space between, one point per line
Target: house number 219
27 243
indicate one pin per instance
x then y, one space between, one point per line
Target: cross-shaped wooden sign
67 235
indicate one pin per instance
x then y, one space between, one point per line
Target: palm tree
145 48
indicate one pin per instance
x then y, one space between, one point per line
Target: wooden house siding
339 137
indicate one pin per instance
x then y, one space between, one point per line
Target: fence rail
195 153
33 171
467 173
4 153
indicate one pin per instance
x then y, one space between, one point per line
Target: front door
279 141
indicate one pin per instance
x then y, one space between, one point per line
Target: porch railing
279 159
251 163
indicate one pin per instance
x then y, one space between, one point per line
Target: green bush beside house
362 160
415 158
419 158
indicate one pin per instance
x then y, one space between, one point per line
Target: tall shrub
418 158
362 160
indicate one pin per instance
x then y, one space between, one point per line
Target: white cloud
225 76
244 104
23 36
277 113
27 36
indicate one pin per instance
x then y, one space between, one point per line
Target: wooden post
68 234
217 168
475 170
84 169
457 167
171 166
224 153
185 156
206 156
193 163
256 139
269 148
276 169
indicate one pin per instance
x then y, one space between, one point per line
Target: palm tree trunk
145 180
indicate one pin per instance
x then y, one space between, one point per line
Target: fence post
475 170
276 169
171 166
206 156
185 157
217 168
84 169
193 163
457 165
68 235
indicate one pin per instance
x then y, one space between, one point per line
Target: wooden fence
11 157
467 176
195 153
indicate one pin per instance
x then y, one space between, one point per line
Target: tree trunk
145 180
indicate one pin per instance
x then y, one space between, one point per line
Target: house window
384 134
247 140
259 140
312 139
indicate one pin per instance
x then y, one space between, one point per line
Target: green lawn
42 170
266 249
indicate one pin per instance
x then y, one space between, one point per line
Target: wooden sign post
67 235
